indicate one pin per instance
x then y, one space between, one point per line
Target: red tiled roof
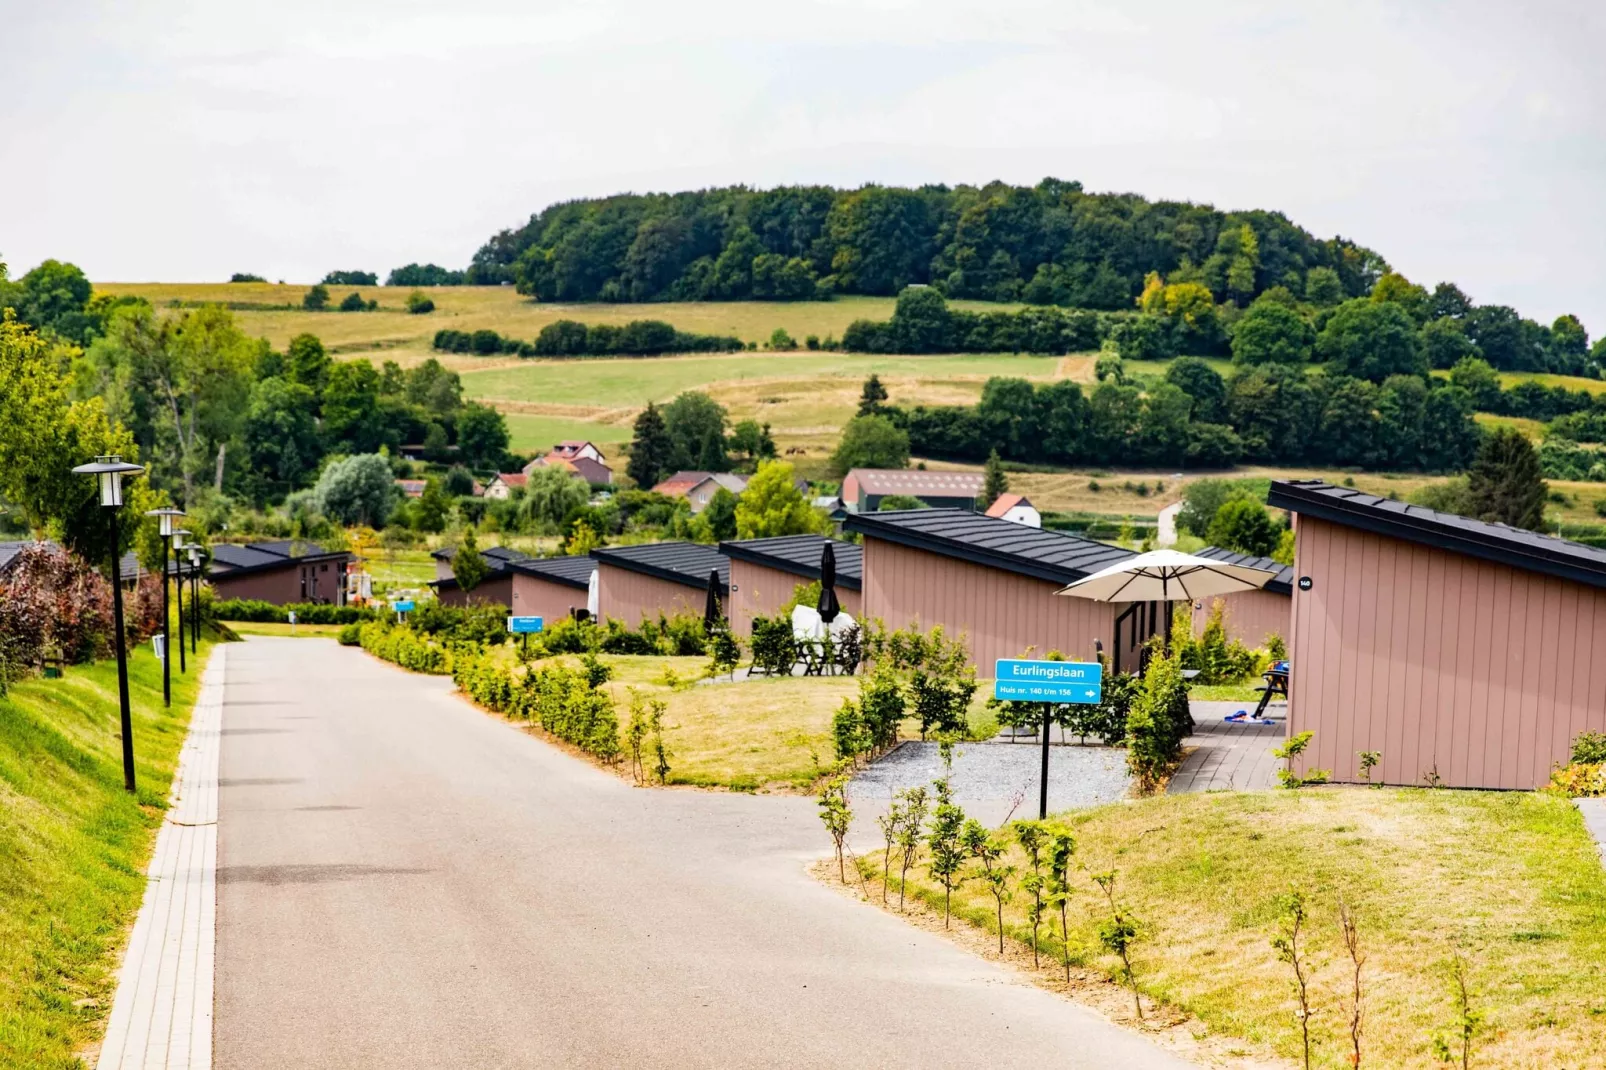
1005 503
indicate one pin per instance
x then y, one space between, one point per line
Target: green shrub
774 648
1219 658
405 647
254 610
351 635
1589 748
565 702
1158 722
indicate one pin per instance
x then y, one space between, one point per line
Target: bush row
254 610
569 703
571 338
403 646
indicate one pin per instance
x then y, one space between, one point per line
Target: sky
184 141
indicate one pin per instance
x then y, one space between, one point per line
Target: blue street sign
1049 681
403 607
523 625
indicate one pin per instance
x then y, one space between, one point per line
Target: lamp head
165 518
109 469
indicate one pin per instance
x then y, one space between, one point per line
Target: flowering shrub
52 603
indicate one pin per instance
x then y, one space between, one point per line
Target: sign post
1048 682
524 627
401 606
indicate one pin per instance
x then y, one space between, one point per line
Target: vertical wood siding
551 602
760 591
1250 617
1478 670
1001 613
631 597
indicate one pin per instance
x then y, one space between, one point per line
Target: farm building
639 582
503 484
1016 508
279 572
765 572
578 457
1466 652
1253 616
996 581
863 488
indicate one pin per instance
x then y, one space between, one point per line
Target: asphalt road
406 882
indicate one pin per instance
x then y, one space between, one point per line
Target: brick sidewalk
162 1017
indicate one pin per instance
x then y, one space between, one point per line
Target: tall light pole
164 518
195 594
109 470
178 587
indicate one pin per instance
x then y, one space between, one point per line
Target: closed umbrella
711 614
1167 576
829 606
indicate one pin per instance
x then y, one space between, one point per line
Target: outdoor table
1276 683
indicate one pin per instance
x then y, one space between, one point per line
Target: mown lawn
271 627
1511 879
73 846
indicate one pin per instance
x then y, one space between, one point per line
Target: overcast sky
180 141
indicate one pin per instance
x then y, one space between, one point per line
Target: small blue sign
524 625
403 607
1049 681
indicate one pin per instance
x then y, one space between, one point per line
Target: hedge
563 701
254 610
404 647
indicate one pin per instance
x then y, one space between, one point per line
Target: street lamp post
109 471
164 518
195 594
178 587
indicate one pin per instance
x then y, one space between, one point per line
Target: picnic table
1276 683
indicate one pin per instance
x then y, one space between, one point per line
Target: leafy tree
752 440
309 363
773 505
1479 380
695 424
459 481
1200 382
1396 289
433 509
872 397
720 515
423 275
551 494
1323 287
351 417
357 490
1244 526
351 278
353 302
1445 343
316 299
1447 301
1372 340
1504 483
418 304
651 448
281 448
944 839
994 483
468 567
246 276
1269 333
481 436
1203 499
870 442
893 502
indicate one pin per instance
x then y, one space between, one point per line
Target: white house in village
1016 509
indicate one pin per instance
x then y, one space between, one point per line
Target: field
73 846
1510 879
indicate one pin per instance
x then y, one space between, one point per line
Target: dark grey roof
495 556
800 555
570 571
230 557
10 550
678 562
1056 556
1282 583
1445 531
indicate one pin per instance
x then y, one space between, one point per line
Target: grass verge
1511 879
73 845
273 627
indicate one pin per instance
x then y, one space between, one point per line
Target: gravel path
989 777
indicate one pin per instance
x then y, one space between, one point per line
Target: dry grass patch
1511 878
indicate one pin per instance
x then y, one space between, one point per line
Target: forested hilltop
1049 244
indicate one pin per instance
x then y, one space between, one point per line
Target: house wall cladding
631 597
1002 613
760 591
496 589
1443 662
318 581
534 597
1250 617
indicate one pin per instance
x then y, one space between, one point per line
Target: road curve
404 881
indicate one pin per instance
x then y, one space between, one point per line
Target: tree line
571 338
1053 243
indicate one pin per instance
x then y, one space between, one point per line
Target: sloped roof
917 483
1483 539
678 562
496 557
589 470
510 479
235 557
1282 583
569 571
680 482
1005 502
1056 556
800 555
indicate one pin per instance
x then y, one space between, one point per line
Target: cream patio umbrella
1167 576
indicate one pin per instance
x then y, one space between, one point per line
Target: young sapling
1118 933
1287 945
988 850
837 815
1031 836
1369 760
1352 943
914 819
1061 846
